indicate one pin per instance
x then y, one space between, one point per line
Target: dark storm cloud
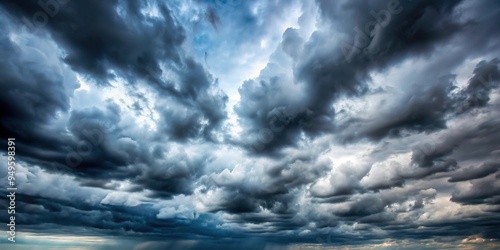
272 189
426 157
104 184
400 177
388 31
422 109
92 144
381 211
273 120
33 91
446 232
482 143
102 36
36 90
477 93
327 74
93 136
98 38
349 180
330 71
471 173
175 175
196 117
107 40
97 136
484 226
310 186
427 107
90 219
271 123
477 142
482 191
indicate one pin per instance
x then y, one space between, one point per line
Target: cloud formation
263 124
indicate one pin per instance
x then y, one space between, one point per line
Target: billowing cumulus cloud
252 124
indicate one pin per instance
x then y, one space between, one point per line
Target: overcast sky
232 124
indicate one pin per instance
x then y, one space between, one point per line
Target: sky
270 124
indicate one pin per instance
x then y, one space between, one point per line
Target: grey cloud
471 173
302 166
212 17
482 191
105 40
423 109
107 46
323 74
271 189
476 94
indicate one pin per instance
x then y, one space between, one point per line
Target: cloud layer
200 124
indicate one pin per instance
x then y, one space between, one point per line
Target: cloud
212 17
255 124
472 173
483 190
322 74
486 77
